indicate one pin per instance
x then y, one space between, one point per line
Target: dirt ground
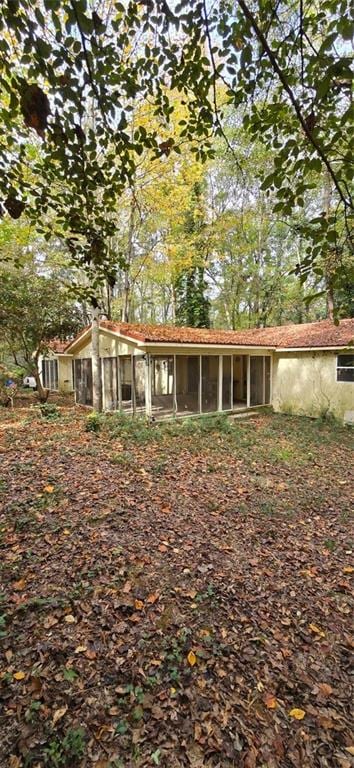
174 595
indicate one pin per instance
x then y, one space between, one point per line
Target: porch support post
248 381
174 385
103 385
148 396
119 384
232 383
200 385
220 383
263 384
133 384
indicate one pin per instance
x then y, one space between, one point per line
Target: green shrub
94 422
49 411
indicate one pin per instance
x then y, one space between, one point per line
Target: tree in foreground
73 73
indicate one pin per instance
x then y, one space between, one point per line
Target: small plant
93 422
49 411
64 753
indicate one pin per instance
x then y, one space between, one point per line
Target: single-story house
173 371
55 367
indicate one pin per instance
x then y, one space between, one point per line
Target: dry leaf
70 619
350 750
270 701
317 631
19 585
139 605
348 569
15 762
298 714
19 675
49 622
152 598
192 659
325 689
49 489
81 649
58 714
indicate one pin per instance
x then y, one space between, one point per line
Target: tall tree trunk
96 360
42 392
129 260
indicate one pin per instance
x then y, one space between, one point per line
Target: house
173 371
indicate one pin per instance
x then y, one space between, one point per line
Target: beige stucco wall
65 378
306 383
110 346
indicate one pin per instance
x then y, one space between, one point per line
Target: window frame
344 367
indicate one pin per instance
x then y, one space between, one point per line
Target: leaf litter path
175 596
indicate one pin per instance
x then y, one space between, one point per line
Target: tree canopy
73 73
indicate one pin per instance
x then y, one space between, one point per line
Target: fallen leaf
49 488
19 675
139 605
19 585
350 750
325 689
152 598
192 659
58 714
317 631
70 619
49 622
270 701
81 649
298 714
348 569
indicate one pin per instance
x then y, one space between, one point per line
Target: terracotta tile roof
320 334
57 346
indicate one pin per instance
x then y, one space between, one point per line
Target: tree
33 310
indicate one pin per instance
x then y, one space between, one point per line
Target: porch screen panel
267 380
162 383
187 383
139 381
210 378
110 385
50 374
83 381
226 383
256 384
126 378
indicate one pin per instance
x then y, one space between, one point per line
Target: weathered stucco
65 376
306 383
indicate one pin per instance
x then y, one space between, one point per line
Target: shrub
94 422
49 411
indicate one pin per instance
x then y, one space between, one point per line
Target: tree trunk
96 361
42 392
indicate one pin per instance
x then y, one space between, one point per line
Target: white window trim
342 368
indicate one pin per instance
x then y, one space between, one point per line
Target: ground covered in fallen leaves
175 595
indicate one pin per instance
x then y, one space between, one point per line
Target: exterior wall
110 346
65 375
306 383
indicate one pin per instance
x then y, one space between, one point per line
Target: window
345 367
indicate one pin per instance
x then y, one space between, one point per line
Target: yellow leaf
192 659
348 569
139 605
70 619
58 714
350 750
49 489
314 628
66 532
19 675
298 714
81 649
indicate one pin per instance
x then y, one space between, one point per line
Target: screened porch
162 386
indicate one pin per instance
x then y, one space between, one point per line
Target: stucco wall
110 346
306 383
65 378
